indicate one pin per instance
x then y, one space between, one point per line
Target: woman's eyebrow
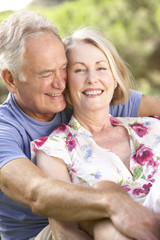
81 63
102 61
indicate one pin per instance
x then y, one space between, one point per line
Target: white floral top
88 163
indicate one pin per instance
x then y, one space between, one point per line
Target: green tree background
132 26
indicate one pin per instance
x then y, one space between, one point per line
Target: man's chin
60 107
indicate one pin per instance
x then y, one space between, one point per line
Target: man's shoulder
8 110
130 108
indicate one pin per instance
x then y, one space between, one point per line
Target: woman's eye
79 70
102 69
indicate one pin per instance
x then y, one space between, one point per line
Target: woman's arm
52 167
56 168
105 229
149 106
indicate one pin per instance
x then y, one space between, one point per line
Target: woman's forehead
82 50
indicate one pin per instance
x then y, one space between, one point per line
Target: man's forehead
43 39
43 46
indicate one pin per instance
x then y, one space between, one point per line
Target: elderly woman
95 147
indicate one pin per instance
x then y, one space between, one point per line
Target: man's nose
59 80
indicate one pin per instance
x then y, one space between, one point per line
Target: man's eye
64 70
46 75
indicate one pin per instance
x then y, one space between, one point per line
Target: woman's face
90 80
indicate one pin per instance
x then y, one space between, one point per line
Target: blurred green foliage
4 15
132 26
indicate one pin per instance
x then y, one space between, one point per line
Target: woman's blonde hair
118 67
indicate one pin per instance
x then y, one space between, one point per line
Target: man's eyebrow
51 70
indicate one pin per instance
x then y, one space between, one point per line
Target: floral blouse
89 163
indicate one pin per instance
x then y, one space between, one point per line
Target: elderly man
33 67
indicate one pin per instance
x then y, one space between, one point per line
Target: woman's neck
93 121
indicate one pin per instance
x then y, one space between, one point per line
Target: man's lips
54 94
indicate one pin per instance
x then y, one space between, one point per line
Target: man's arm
24 182
137 105
149 106
129 217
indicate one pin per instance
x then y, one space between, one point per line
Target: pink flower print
133 168
153 163
139 128
143 154
70 142
137 191
156 116
38 143
150 177
114 121
147 188
152 180
61 128
126 187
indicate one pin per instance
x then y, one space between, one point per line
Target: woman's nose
91 77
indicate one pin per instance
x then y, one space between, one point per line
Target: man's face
41 95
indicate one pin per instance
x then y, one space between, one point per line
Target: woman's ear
115 84
9 80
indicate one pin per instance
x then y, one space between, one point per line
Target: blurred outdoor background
133 26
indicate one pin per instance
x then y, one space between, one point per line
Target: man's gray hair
13 33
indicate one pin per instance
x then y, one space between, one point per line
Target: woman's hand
67 231
105 230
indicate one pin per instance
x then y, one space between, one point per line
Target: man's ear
9 80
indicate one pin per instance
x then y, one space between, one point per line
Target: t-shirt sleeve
130 108
10 144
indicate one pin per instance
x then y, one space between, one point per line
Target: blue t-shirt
17 130
130 109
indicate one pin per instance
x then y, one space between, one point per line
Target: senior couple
94 150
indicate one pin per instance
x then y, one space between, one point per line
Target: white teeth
54 95
94 92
